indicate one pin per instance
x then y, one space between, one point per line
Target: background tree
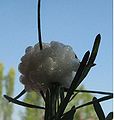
6 86
85 113
1 88
31 114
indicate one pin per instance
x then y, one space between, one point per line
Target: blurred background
72 22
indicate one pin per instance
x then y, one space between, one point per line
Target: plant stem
51 102
39 26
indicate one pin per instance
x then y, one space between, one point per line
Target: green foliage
1 78
6 85
1 87
31 114
85 112
9 87
9 82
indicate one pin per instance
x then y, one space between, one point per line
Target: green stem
51 101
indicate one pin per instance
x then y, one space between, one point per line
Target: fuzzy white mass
55 63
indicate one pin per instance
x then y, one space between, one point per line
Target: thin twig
43 96
20 94
39 27
73 96
22 103
90 91
93 101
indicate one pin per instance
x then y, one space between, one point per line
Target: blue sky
72 22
